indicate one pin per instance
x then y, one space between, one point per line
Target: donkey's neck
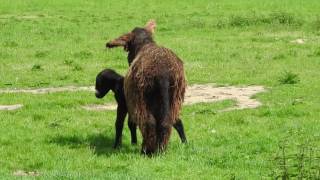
135 49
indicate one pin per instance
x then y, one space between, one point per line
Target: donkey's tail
164 121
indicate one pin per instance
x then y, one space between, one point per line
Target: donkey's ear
151 26
120 41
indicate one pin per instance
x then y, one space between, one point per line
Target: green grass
59 43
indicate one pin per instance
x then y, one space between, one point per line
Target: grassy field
244 42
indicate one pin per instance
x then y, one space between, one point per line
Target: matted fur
152 62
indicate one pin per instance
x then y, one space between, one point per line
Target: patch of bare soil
100 107
49 90
30 16
10 107
298 41
25 173
209 93
197 93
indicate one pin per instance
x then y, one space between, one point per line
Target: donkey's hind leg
149 134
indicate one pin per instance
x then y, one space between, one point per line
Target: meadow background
245 42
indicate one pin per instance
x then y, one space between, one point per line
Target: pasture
274 44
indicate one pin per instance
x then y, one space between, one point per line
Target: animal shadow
100 144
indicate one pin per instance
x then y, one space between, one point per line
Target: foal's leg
121 115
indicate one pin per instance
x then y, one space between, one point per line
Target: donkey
154 86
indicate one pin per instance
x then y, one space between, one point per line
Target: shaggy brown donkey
154 86
108 80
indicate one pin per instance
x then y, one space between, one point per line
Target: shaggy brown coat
149 63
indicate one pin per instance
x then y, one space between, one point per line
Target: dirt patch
206 94
10 107
49 90
25 173
298 41
30 16
100 107
211 93
197 93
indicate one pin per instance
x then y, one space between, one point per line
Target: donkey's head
135 39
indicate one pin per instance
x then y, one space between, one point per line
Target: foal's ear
151 26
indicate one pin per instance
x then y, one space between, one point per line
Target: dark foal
107 80
110 80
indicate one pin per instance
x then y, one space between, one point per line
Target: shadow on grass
100 144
